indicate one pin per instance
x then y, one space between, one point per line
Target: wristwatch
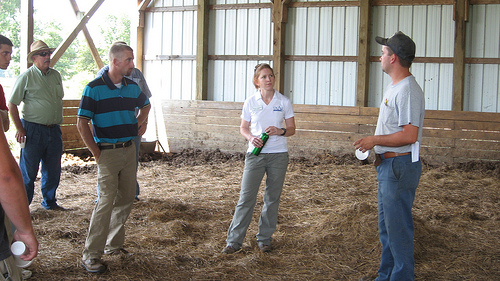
284 131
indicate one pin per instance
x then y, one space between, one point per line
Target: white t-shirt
262 115
403 104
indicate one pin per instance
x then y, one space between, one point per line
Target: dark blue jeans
398 179
43 144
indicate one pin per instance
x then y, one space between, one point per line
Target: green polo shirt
41 94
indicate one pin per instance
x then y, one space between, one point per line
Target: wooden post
26 32
280 17
363 82
202 50
139 46
460 16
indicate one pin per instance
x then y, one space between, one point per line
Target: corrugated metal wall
237 32
325 31
432 28
170 52
483 41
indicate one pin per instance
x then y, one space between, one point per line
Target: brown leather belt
115 145
378 158
394 154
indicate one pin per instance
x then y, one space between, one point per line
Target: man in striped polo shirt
110 102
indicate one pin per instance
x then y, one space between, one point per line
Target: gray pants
274 165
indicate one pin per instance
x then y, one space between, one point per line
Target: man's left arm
142 119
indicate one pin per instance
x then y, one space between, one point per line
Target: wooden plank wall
71 137
449 137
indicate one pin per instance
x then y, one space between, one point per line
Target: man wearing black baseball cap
397 144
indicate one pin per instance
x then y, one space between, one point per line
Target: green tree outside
76 65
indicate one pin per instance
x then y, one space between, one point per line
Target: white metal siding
432 28
327 31
482 88
236 32
171 34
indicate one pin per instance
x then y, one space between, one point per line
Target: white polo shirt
262 115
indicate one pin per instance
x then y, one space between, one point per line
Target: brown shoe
265 248
229 250
57 208
118 252
94 265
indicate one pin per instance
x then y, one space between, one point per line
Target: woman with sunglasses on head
270 112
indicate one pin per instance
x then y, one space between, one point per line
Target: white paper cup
22 144
18 248
362 155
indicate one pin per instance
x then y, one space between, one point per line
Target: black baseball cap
400 44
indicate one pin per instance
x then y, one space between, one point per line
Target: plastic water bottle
256 150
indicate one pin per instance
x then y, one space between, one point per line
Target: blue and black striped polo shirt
112 109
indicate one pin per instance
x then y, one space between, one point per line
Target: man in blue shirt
110 102
136 76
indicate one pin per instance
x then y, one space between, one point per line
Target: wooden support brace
88 38
65 44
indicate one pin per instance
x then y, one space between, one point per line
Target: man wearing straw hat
40 90
397 144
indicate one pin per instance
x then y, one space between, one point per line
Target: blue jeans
43 144
398 179
274 165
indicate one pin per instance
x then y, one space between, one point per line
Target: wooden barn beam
363 81
65 44
139 44
88 38
202 50
460 16
27 24
280 18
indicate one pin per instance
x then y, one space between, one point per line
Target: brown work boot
229 250
94 265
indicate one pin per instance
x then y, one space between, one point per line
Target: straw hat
38 46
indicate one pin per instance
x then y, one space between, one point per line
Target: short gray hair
117 48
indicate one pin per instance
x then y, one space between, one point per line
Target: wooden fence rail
449 136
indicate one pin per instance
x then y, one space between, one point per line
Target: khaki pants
117 181
9 270
8 265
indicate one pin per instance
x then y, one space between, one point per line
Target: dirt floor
327 225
